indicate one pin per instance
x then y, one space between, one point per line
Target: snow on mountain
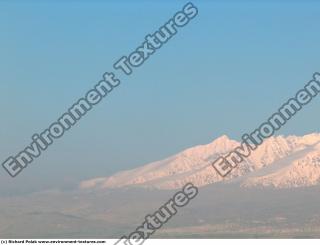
301 171
280 162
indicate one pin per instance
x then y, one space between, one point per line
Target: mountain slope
290 162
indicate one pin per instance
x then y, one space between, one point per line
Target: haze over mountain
260 198
280 162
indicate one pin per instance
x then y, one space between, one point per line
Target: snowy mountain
280 162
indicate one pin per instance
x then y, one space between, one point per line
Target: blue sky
226 72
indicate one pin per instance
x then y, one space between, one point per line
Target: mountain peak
222 138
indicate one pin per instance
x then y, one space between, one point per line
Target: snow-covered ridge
280 162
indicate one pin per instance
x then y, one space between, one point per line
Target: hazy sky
226 72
